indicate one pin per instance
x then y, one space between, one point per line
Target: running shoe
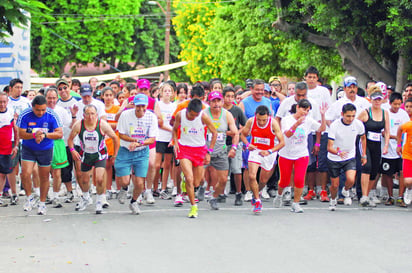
221 198
310 196
134 207
105 204
272 192
332 204
56 203
345 193
248 196
109 195
238 199
364 201
373 197
384 194
14 199
165 195
213 204
122 196
193 212
36 199
303 201
347 201
174 192
372 203
156 193
42 210
148 197
201 193
140 199
99 207
407 196
287 198
324 196
257 206
69 198
401 203
187 200
1 201
390 201
277 201
93 190
82 205
296 208
178 200
264 195
28 205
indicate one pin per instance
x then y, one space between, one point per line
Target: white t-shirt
137 128
395 120
67 104
344 137
320 94
66 120
296 146
19 104
335 110
287 103
167 110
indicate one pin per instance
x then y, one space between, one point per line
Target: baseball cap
376 95
348 81
215 95
86 90
273 78
267 88
60 81
249 83
140 99
143 83
382 87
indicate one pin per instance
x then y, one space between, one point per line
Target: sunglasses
63 88
275 85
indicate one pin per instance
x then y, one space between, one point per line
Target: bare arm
107 130
75 131
386 133
208 122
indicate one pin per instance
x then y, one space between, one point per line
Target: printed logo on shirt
32 123
45 125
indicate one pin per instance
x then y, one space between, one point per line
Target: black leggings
373 152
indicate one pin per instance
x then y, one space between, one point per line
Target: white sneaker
174 191
364 201
99 207
296 208
105 204
384 194
332 204
407 196
372 203
264 194
134 207
148 196
28 205
82 205
178 200
93 189
122 196
56 203
277 201
345 193
42 210
347 201
208 194
139 199
373 197
248 196
287 198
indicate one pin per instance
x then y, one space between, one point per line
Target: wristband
364 156
73 117
210 150
141 142
292 131
317 144
338 153
270 151
71 149
247 144
234 147
34 135
399 145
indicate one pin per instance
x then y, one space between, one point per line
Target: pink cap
143 83
215 95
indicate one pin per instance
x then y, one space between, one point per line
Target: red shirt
263 138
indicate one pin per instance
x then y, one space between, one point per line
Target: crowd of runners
139 141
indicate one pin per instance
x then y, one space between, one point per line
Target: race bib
220 137
373 136
111 117
261 140
137 132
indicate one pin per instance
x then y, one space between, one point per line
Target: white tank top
192 132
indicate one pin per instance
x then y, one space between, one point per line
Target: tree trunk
401 73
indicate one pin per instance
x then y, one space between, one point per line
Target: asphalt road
163 239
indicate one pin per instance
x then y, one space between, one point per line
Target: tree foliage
239 42
16 13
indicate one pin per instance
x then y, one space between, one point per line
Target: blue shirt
251 105
46 123
275 104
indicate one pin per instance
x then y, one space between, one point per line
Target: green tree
372 38
16 13
84 31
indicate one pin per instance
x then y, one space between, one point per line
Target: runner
295 155
7 151
137 130
93 153
341 152
38 127
190 146
262 150
225 125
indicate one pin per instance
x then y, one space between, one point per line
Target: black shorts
43 158
391 166
336 167
163 147
85 167
15 161
6 164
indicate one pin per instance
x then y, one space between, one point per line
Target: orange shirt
407 148
111 113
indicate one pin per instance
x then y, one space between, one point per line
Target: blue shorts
6 164
126 160
319 163
42 158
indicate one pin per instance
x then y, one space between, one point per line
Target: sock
195 205
148 191
42 204
37 191
86 195
55 195
99 198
